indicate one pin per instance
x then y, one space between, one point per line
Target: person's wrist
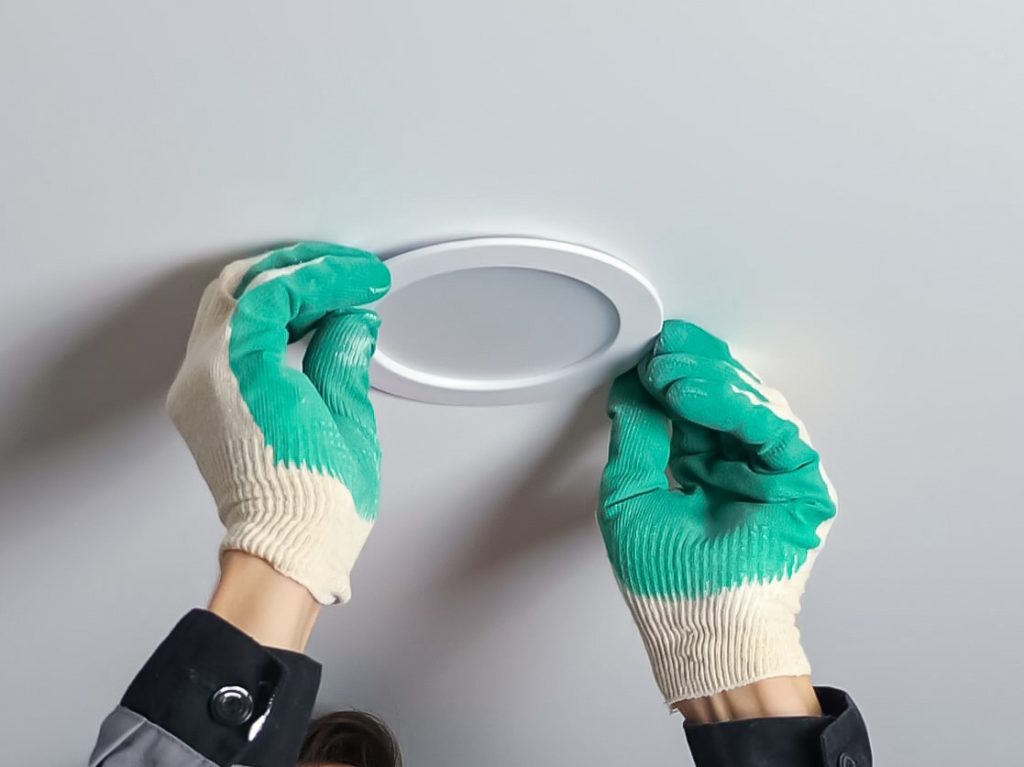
774 697
273 609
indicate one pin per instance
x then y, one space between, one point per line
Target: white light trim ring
634 298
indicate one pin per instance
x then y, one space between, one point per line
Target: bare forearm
779 696
271 608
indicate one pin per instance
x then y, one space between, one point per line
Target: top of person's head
349 739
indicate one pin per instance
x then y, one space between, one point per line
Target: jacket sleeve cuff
838 738
225 695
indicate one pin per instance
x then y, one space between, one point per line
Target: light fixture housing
504 320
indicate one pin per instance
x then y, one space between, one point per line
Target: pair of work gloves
712 565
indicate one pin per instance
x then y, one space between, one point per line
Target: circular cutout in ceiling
502 320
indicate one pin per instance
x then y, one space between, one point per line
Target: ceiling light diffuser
502 320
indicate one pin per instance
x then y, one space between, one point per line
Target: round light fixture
501 320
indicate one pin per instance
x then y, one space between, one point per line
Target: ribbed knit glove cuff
703 646
302 522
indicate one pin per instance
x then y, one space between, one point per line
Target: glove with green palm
712 570
291 458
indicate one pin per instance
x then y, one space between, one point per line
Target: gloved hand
291 458
712 571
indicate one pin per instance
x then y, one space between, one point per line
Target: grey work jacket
210 696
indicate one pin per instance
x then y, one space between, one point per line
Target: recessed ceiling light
501 320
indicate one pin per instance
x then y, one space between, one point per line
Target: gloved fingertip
675 335
379 279
343 340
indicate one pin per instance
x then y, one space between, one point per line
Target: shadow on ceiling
111 369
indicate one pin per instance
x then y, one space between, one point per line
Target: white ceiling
835 189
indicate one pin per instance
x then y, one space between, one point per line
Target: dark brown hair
351 738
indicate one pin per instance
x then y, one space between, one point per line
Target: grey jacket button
845 760
231 706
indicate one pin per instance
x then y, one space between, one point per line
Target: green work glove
712 570
291 458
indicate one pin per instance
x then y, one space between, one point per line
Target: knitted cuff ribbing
703 646
301 522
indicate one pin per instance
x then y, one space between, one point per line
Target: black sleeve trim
845 741
838 738
201 655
